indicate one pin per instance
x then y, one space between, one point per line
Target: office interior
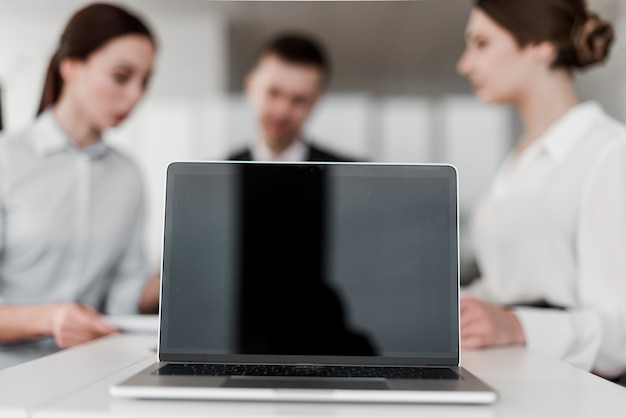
394 94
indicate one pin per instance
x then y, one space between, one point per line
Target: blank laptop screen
344 261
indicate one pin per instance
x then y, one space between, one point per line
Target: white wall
606 82
25 52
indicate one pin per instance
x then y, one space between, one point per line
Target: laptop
330 282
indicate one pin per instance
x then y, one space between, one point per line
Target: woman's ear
68 68
544 52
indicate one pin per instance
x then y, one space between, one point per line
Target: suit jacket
315 154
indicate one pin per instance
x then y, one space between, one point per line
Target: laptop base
146 385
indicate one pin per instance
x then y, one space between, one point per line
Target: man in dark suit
283 89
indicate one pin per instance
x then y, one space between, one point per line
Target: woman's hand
76 323
486 325
149 303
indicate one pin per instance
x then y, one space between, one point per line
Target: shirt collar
49 138
559 140
297 151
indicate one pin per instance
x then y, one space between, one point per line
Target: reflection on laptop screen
310 260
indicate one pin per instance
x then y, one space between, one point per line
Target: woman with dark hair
71 207
551 234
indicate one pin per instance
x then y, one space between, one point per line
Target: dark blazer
315 154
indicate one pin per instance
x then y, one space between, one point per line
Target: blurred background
394 94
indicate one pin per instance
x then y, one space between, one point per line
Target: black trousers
620 380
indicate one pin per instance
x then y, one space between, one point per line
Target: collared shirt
295 152
71 226
553 229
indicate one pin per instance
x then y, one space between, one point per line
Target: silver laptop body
330 282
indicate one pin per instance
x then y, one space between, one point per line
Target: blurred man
283 89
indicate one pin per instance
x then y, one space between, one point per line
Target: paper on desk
135 323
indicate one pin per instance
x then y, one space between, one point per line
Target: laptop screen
344 263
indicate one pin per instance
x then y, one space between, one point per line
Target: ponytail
51 87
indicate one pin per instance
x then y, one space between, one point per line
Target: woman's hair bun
592 40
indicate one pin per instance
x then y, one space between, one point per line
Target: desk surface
75 382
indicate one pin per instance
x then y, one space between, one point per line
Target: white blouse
71 227
553 230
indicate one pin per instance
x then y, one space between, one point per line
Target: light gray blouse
71 227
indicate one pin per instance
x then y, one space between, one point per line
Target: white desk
75 383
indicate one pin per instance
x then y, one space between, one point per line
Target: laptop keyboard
308 371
